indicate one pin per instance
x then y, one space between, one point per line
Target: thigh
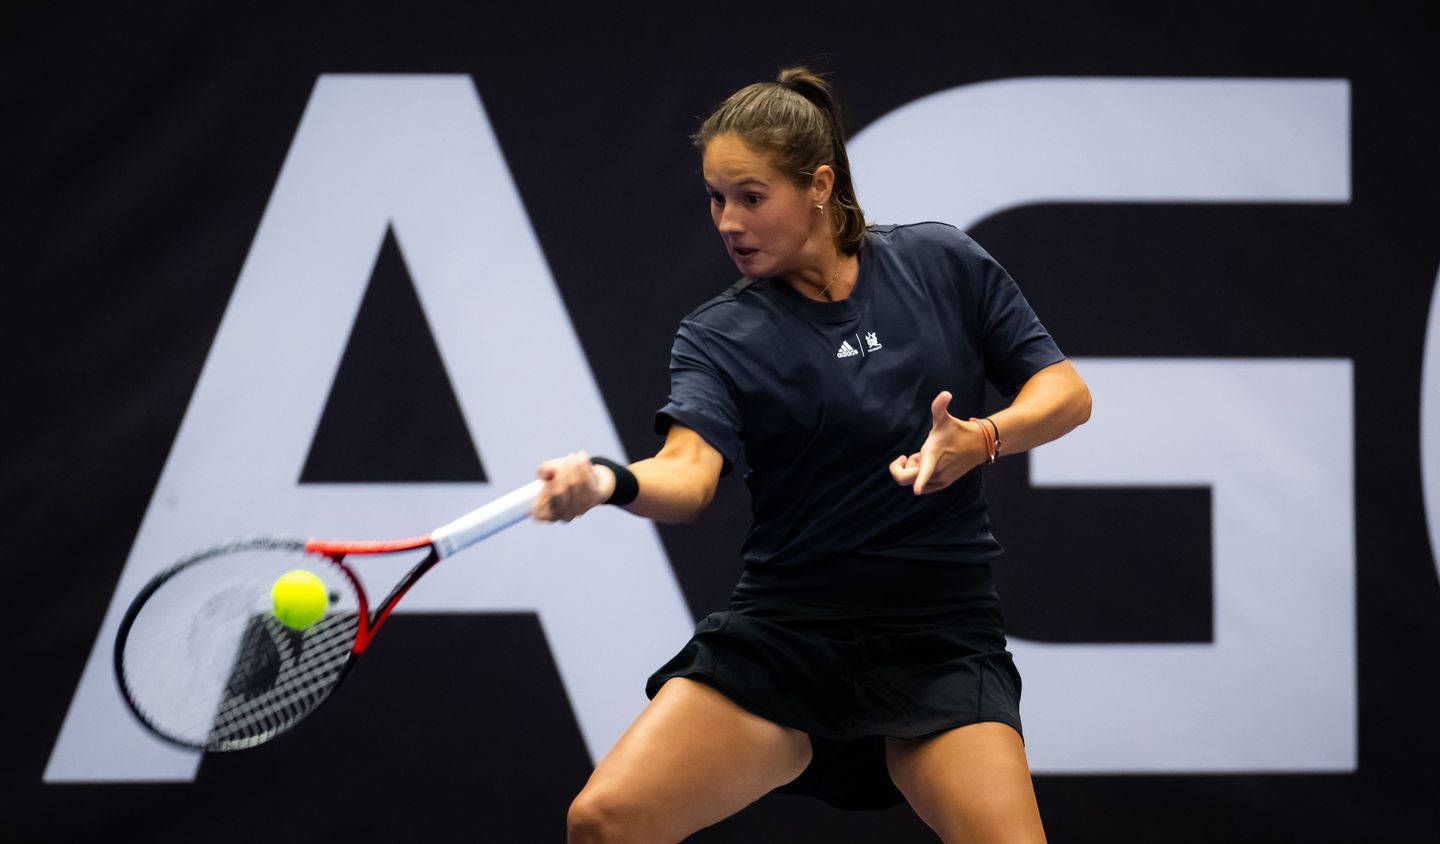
693 757
969 784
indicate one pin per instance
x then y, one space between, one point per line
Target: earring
820 207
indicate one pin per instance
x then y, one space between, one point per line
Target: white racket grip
492 518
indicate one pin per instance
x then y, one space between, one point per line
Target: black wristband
626 487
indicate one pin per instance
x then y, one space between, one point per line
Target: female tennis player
862 658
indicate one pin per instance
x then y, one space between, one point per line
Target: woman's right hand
572 486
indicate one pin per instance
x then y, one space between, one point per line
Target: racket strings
204 662
279 677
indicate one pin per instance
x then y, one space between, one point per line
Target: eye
717 198
753 198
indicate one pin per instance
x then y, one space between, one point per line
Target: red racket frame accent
338 551
378 546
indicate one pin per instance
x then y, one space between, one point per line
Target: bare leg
693 757
970 784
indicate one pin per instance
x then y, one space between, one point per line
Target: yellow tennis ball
300 599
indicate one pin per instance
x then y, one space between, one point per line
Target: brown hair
796 120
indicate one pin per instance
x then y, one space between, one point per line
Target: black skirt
851 650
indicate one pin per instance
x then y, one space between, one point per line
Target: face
770 226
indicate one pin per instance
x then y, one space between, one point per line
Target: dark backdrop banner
338 269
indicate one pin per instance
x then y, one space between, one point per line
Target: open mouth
745 253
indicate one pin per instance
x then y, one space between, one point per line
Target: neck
828 280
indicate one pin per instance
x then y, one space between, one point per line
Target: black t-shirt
822 396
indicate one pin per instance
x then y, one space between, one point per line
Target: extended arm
676 485
679 482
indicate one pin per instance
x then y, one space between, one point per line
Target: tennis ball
300 599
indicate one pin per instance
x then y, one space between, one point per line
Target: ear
821 184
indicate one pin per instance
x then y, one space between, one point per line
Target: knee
598 817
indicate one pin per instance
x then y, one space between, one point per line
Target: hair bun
798 78
808 84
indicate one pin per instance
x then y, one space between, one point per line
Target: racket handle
474 526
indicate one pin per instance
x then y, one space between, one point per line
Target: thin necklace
833 279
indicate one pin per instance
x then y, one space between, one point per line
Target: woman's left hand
953 448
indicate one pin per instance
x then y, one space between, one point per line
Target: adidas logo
846 350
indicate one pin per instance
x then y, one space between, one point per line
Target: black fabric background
142 145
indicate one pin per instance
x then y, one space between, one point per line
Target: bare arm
1051 404
676 485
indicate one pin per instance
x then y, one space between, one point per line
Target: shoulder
927 237
938 253
731 296
735 311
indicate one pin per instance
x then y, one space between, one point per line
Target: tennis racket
203 662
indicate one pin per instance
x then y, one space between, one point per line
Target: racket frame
367 623
338 551
443 542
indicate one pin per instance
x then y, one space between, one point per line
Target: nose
727 223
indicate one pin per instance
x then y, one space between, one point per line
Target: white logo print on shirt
848 351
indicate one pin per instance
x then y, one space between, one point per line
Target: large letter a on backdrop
414 153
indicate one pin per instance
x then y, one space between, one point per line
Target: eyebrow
743 182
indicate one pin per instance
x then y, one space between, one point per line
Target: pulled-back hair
796 120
